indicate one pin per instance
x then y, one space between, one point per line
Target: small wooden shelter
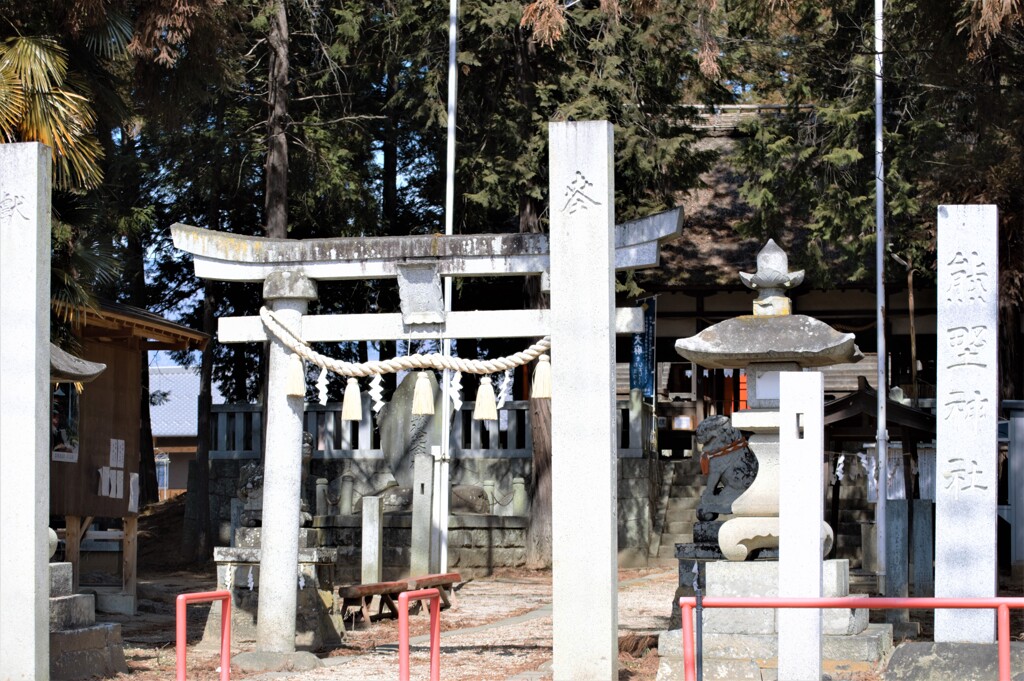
95 453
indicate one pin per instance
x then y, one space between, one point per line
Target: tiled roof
177 416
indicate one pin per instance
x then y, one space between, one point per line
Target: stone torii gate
586 247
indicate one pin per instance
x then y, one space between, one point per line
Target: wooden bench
361 595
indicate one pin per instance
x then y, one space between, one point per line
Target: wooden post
129 553
73 547
922 536
897 559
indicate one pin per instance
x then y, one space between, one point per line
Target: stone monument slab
404 435
584 464
966 460
372 541
801 508
422 502
25 409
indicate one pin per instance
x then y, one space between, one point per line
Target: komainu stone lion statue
727 461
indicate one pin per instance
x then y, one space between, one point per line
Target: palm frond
111 38
76 271
49 105
40 63
12 102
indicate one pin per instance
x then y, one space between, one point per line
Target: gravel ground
501 629
498 628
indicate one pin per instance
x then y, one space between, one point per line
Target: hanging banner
642 363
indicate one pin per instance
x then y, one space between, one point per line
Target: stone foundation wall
481 547
476 544
638 486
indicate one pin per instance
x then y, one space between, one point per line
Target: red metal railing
1002 605
225 629
434 596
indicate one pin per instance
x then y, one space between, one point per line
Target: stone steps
681 515
96 650
671 539
686 491
72 612
80 648
680 495
680 526
713 670
683 503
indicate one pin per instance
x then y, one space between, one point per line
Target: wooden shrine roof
110 321
853 417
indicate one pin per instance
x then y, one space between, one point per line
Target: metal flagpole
882 436
441 465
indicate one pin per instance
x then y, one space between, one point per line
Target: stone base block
926 661
742 536
727 621
72 612
844 621
114 601
904 629
871 645
761 578
60 579
317 622
671 669
740 646
225 554
731 579
256 661
88 652
250 537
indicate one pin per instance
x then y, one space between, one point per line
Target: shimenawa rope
407 363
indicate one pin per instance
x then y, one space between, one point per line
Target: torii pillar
287 293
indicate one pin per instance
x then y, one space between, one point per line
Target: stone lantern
769 341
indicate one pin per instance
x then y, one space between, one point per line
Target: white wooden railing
238 432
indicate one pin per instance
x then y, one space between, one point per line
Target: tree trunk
197 534
149 489
197 537
135 271
276 165
538 540
389 152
